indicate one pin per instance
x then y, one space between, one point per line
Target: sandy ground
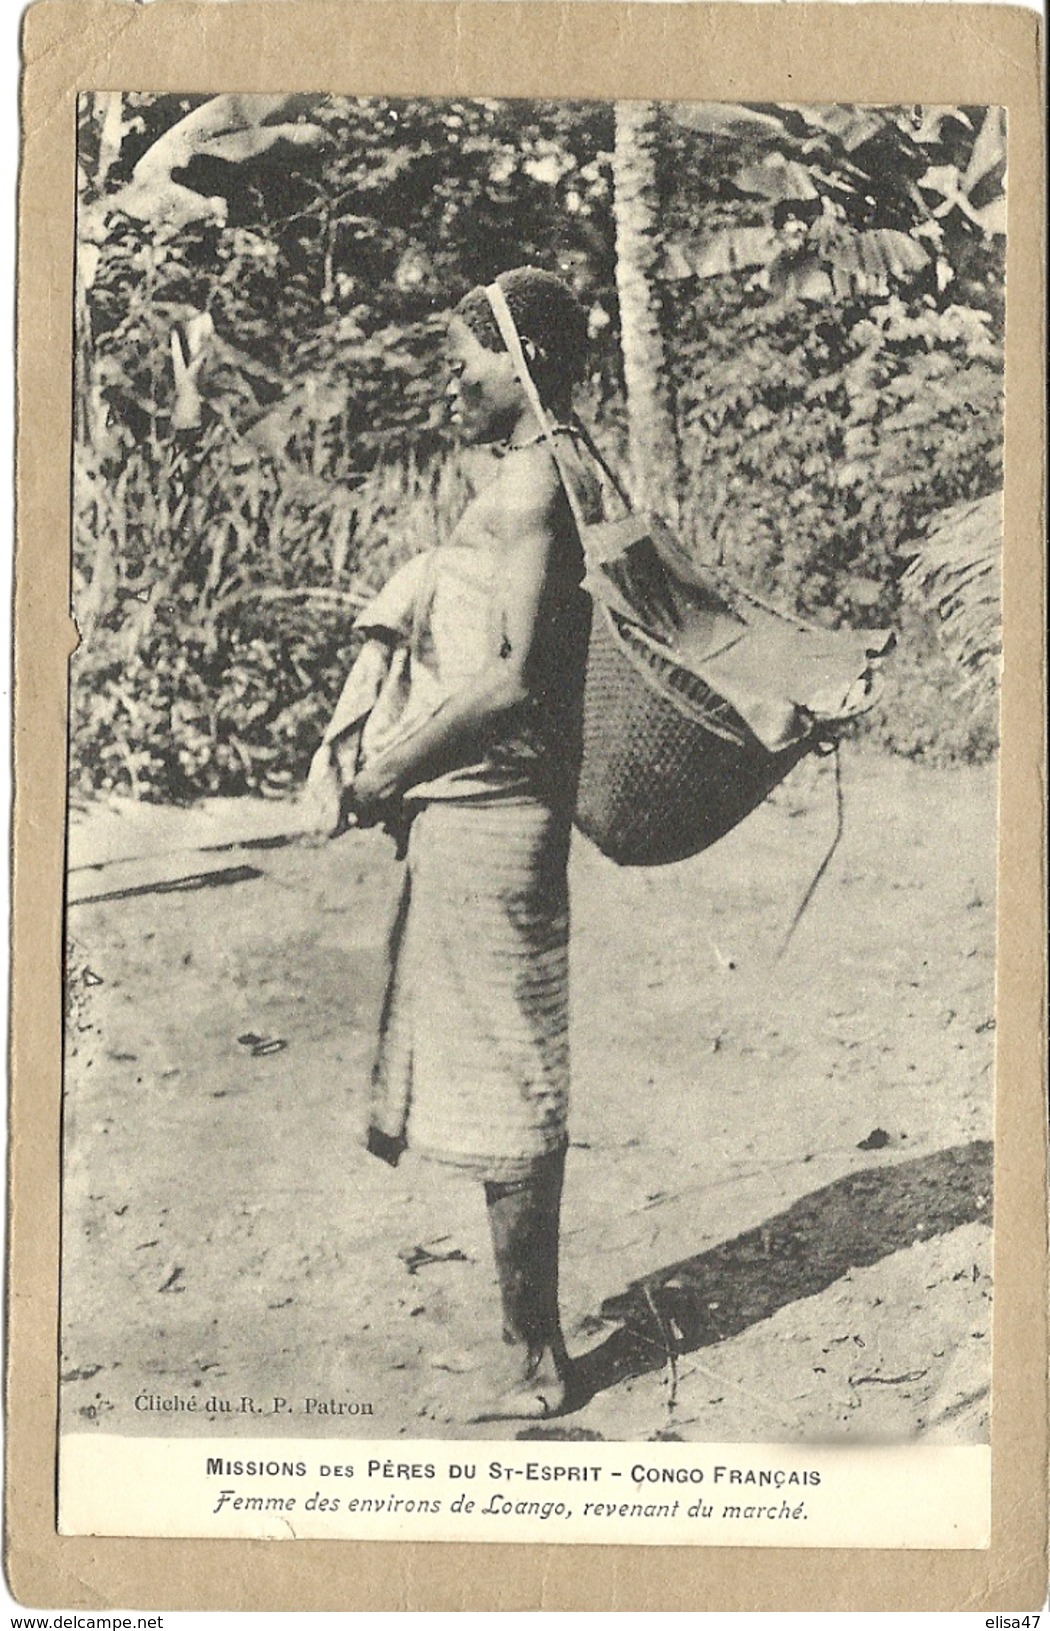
778 1201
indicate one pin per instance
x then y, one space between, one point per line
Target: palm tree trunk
652 451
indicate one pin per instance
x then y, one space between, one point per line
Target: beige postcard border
806 53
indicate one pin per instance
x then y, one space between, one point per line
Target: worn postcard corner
527 1032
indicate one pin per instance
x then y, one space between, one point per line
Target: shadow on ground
173 886
851 1223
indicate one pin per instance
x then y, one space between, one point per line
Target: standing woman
473 1061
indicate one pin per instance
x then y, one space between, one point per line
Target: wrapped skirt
472 1067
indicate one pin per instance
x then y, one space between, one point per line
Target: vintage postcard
529 713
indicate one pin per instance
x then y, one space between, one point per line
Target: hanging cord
840 812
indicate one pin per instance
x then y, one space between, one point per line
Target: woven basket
668 767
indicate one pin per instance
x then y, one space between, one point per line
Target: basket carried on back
668 766
698 697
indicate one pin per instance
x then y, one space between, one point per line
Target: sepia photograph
532 803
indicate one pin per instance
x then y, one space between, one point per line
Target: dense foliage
263 286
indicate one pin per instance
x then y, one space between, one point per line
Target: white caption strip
637 1494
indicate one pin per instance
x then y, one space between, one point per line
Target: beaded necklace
533 441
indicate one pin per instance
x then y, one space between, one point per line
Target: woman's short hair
547 313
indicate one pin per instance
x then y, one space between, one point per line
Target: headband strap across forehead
512 340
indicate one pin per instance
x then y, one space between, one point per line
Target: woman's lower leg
524 1222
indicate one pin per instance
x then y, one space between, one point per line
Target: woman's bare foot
490 1394
537 1392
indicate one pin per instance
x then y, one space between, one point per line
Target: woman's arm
362 686
326 780
526 514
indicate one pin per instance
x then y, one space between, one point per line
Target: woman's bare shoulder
527 486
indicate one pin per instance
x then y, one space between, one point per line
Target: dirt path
226 1236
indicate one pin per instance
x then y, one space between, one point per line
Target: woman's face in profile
485 399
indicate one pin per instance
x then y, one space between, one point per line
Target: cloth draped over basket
699 698
779 674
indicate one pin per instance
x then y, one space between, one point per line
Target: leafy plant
957 572
262 292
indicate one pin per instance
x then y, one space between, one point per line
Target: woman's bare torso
534 749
